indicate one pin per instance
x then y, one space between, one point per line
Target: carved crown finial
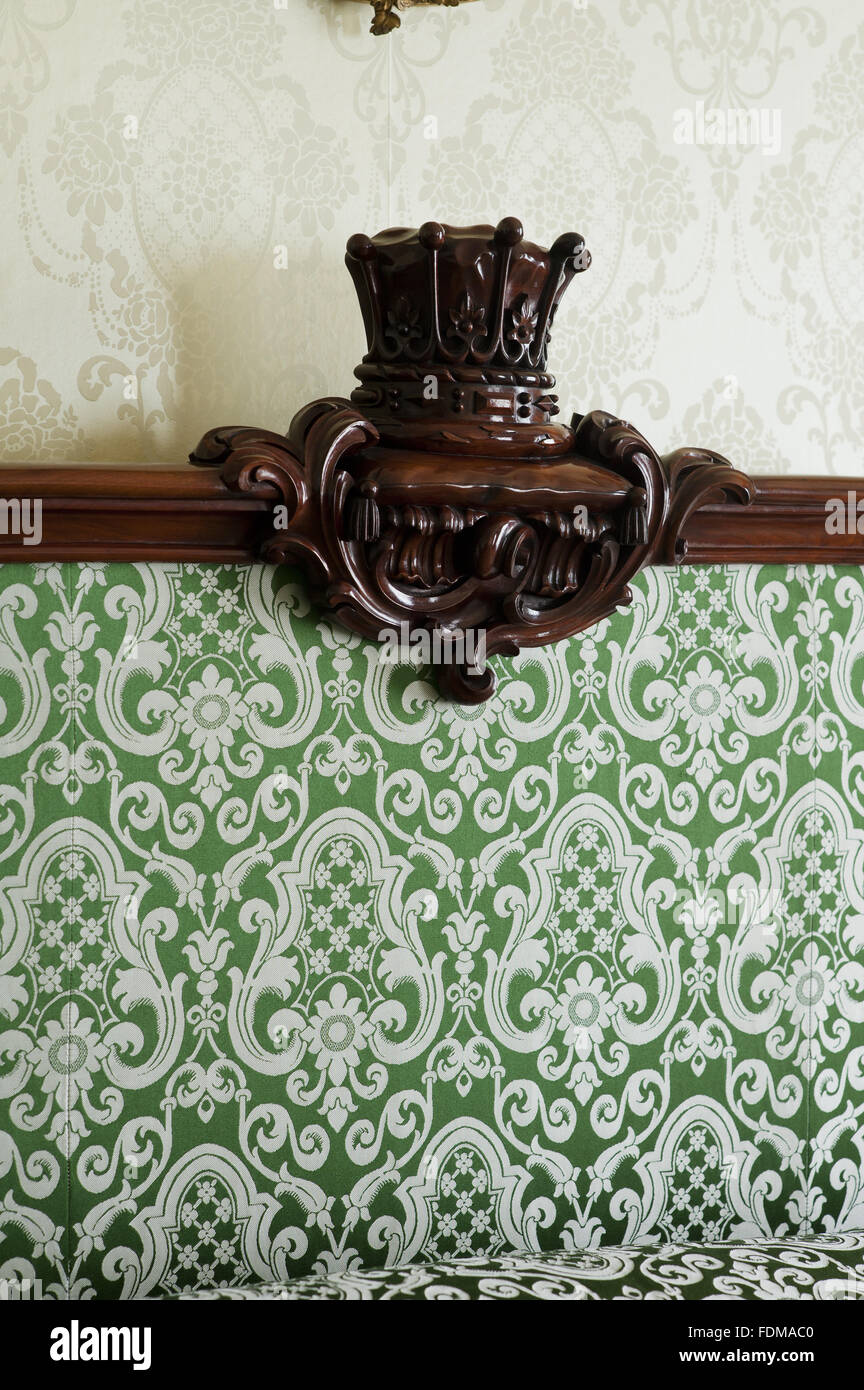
445 503
458 322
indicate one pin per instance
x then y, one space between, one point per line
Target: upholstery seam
73 677
811 937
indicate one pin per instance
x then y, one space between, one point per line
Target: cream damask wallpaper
179 181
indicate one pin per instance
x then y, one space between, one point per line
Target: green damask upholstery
302 971
824 1267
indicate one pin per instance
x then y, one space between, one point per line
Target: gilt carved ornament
385 16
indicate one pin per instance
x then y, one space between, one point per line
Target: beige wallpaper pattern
179 180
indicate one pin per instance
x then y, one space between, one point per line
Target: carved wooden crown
458 323
447 504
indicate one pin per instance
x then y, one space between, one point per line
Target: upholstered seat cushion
826 1267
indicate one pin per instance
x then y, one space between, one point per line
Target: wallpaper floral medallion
302 970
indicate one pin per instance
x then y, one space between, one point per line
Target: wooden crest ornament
444 496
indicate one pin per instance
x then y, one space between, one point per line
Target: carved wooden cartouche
445 495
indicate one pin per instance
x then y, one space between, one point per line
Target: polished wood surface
458 323
480 481
785 524
125 511
141 511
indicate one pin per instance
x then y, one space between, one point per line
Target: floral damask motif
91 158
78 960
222 33
696 1180
787 210
724 414
34 423
584 1011
809 995
141 323
837 88
461 170
66 1059
705 702
210 716
596 61
303 971
338 1035
734 681
578 941
316 176
662 194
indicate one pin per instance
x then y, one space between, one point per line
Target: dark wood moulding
134 511
176 511
785 524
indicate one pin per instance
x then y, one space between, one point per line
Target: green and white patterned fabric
824 1268
303 971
